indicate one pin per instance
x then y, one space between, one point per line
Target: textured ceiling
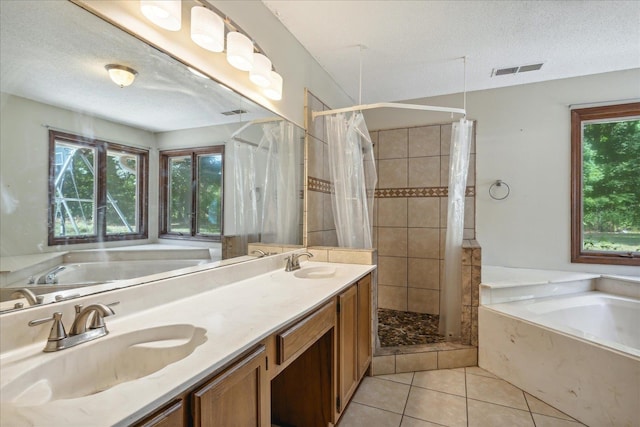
55 52
413 48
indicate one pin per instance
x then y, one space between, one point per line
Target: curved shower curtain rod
315 114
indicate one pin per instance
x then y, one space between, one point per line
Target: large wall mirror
55 88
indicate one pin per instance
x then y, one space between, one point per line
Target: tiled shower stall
410 219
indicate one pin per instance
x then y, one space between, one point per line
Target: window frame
163 209
578 116
101 147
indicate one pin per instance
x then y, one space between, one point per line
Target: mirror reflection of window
192 193
96 190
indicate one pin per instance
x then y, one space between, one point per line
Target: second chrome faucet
293 261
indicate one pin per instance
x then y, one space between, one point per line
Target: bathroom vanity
287 348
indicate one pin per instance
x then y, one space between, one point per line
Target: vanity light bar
207 30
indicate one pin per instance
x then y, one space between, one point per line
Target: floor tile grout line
533 420
375 407
500 404
466 396
406 402
443 392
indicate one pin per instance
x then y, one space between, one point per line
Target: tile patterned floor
466 397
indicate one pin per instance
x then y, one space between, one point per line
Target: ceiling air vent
515 70
234 112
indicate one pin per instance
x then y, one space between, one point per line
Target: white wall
24 170
523 138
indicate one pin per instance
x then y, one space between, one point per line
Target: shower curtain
245 194
353 174
451 291
280 219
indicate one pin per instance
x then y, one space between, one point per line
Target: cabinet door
364 325
171 415
238 397
347 346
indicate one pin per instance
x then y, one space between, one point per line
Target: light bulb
274 91
239 51
166 14
260 73
121 75
207 29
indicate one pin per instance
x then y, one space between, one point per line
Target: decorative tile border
320 185
384 193
323 186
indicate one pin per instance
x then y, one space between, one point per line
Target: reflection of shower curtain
245 201
451 291
353 173
280 219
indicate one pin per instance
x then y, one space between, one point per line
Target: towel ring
499 183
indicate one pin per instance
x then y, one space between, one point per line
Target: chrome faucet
27 294
293 261
50 277
259 253
79 333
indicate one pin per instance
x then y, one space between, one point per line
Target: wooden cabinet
239 396
172 415
354 339
365 347
303 375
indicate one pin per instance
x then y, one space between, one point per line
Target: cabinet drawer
304 333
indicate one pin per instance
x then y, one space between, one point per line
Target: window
605 185
97 190
191 193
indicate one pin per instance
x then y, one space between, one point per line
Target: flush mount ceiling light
274 91
207 29
239 51
260 73
166 14
120 74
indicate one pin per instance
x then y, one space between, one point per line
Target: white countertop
236 316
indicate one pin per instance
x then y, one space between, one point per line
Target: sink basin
97 366
321 272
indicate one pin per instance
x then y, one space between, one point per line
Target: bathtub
100 272
578 351
76 275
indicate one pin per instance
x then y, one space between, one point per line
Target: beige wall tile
354 256
392 212
392 241
444 205
392 297
466 256
466 285
393 143
469 233
423 301
416 362
424 141
319 255
471 173
476 279
474 326
330 238
445 140
326 175
469 212
443 240
327 213
315 211
465 333
315 161
423 243
423 211
424 172
457 358
393 173
315 238
476 257
392 271
444 170
423 273
383 365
